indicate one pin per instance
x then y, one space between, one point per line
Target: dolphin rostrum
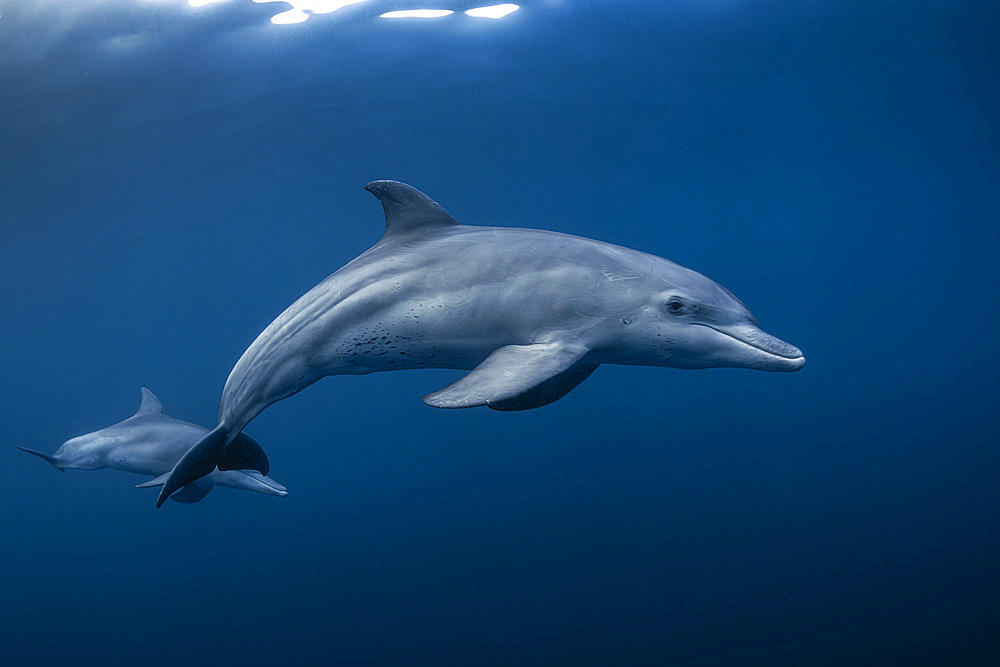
150 443
530 313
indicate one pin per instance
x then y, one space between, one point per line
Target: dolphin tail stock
216 450
45 457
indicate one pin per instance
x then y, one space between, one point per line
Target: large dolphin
530 313
149 443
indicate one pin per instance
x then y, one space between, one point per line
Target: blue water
172 178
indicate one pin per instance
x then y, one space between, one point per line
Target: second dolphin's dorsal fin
150 404
408 209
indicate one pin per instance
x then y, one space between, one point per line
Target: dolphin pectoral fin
548 391
156 481
45 457
193 492
517 377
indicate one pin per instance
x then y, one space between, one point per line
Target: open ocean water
172 177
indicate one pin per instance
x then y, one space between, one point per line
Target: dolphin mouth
778 355
273 487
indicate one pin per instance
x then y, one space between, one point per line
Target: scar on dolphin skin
528 313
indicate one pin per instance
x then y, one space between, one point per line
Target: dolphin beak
759 349
264 484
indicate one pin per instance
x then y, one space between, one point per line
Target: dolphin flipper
548 391
188 494
193 492
45 457
517 377
156 481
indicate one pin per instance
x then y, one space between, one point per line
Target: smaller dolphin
149 443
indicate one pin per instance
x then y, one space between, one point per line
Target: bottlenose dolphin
530 313
150 443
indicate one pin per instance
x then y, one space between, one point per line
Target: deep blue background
171 179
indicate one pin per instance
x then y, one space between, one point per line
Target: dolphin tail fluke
243 453
197 462
45 457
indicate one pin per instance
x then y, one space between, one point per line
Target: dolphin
149 443
529 313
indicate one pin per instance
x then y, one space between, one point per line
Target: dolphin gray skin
150 443
530 313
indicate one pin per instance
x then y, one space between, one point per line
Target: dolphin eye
675 306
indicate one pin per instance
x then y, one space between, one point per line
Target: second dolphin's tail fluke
45 457
212 451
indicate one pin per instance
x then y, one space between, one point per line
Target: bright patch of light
291 16
416 14
202 3
302 9
493 11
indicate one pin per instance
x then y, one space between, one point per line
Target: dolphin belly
398 322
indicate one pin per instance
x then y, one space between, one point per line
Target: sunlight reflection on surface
302 9
493 11
417 14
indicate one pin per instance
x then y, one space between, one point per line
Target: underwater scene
405 332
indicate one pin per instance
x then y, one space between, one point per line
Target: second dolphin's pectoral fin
517 377
190 493
156 481
193 492
407 209
150 404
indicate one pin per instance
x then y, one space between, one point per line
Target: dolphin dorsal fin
408 209
150 404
